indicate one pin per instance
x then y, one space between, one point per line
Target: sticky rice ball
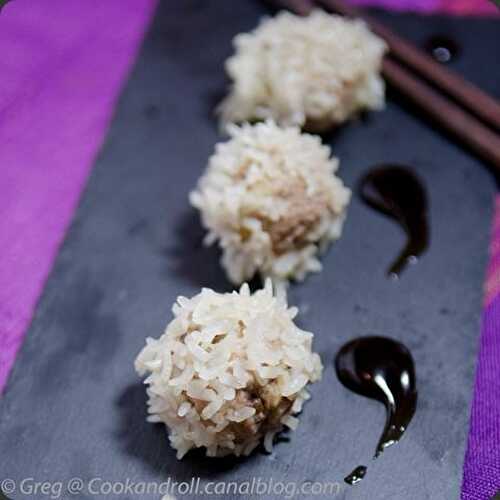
230 370
314 71
271 199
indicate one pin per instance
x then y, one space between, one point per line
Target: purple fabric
482 460
411 5
62 65
459 7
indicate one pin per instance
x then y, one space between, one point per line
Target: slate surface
74 406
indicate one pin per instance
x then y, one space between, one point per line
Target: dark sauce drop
442 48
397 192
356 475
380 368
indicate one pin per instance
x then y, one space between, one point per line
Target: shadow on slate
192 256
74 406
148 443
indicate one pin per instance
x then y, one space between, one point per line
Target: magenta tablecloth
482 461
459 7
62 65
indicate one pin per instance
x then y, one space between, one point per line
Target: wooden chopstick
301 7
455 119
450 116
477 101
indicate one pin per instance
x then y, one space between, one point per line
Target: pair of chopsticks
457 105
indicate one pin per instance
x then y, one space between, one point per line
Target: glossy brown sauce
382 369
442 48
397 192
356 475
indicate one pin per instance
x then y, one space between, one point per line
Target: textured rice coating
271 198
230 371
314 71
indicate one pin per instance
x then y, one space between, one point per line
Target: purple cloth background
459 7
482 460
62 65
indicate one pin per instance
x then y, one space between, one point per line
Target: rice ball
314 71
271 199
230 370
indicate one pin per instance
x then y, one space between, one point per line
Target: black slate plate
74 406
